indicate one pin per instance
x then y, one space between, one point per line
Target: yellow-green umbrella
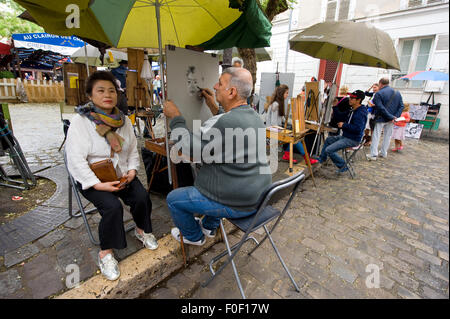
211 24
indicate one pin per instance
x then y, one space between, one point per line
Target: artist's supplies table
158 146
287 136
146 116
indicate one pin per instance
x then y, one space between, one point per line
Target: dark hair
278 96
99 76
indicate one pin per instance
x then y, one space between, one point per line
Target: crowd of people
228 184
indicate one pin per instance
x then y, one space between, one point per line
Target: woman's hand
107 187
130 175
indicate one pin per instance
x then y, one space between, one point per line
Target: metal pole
86 56
287 45
324 112
163 82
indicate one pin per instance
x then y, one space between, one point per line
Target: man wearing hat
352 132
121 73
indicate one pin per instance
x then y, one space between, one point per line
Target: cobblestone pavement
393 216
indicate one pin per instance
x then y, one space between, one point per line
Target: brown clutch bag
104 170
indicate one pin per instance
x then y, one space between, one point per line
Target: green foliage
6 75
290 4
10 23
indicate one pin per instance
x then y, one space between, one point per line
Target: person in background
275 116
388 106
157 88
237 62
121 73
122 102
341 109
398 135
371 118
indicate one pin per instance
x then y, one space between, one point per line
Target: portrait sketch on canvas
418 112
413 130
187 72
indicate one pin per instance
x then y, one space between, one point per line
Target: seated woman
275 116
100 131
341 109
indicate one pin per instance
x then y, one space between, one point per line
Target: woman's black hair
99 76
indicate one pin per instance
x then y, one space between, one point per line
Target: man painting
352 132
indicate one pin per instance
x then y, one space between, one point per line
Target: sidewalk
393 215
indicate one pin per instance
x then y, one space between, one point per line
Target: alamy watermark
73 19
209 145
73 277
373 279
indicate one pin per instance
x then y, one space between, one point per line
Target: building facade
419 29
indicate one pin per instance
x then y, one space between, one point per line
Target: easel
324 114
138 93
296 135
432 113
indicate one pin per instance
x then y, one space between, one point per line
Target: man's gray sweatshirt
232 145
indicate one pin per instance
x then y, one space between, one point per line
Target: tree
271 8
10 23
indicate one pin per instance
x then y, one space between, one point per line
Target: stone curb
141 271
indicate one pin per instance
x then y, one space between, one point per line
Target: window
414 55
419 3
337 10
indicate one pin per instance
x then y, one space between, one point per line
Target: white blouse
273 117
85 146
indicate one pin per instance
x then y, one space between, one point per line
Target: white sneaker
176 234
206 232
370 157
109 267
148 240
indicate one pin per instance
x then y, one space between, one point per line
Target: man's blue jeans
184 202
332 145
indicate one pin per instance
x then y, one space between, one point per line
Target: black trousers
111 230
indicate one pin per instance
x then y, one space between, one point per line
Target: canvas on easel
187 71
312 101
298 114
138 93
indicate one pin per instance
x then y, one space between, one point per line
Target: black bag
160 182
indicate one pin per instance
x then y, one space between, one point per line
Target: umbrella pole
86 56
163 86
